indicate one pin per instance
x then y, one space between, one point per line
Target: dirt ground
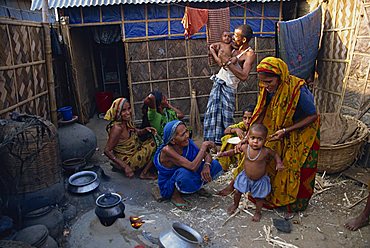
321 225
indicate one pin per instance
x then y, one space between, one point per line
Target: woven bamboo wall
176 66
343 61
23 84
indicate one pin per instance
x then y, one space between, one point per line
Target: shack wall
23 78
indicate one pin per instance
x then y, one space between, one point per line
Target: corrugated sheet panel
37 4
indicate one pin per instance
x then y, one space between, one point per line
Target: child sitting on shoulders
253 178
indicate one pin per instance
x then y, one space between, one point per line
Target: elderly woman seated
123 147
182 166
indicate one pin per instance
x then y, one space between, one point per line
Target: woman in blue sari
183 168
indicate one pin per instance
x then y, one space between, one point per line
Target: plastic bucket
66 113
104 100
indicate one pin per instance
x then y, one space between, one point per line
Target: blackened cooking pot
109 207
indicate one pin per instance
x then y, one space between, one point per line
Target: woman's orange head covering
275 66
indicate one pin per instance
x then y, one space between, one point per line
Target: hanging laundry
193 20
218 22
298 42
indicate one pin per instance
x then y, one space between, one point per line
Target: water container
66 113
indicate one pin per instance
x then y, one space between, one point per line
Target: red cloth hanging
218 22
193 20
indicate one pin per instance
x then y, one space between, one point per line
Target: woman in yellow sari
286 107
124 147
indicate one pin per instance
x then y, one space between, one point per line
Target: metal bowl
83 182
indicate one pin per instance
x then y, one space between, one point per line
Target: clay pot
76 141
73 165
48 216
109 207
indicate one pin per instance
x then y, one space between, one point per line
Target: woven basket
42 171
336 158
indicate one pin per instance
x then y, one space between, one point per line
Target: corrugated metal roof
37 4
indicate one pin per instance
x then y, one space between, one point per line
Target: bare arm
239 132
243 73
146 130
150 101
279 134
275 155
214 48
179 113
226 153
174 158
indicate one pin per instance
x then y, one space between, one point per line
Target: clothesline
236 5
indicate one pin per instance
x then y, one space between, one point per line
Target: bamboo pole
49 64
50 76
20 23
12 67
129 78
168 59
23 102
169 79
93 67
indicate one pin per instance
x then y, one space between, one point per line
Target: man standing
221 102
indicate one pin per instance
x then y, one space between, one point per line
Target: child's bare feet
257 216
231 209
226 191
357 222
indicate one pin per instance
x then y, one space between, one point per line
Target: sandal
182 206
204 193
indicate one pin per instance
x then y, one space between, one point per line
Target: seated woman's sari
185 180
293 186
135 153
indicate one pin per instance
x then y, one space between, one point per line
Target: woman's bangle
207 163
284 130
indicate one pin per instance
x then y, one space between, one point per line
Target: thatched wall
343 83
177 66
23 77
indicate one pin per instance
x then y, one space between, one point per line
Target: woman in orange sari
286 107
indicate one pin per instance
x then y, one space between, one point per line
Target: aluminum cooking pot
83 182
180 236
109 207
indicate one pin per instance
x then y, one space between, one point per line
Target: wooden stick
320 191
231 216
348 202
246 211
354 204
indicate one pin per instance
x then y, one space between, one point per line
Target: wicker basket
42 170
336 158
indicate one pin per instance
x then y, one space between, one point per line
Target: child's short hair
260 128
249 108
